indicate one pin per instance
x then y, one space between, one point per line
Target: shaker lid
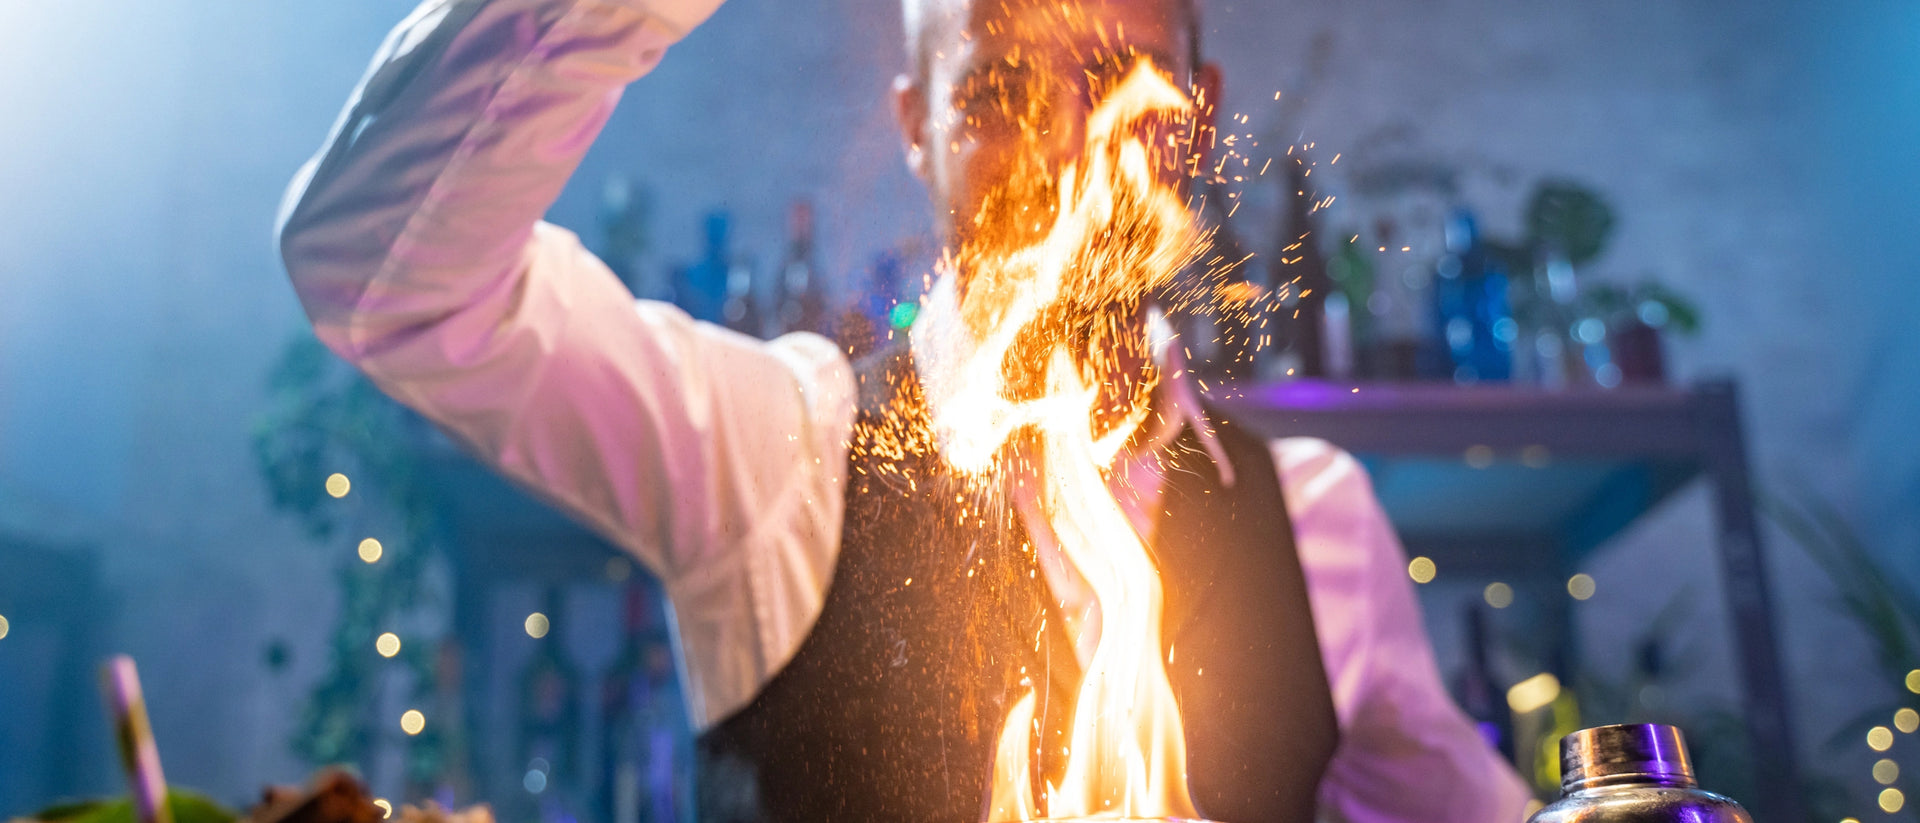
1636 753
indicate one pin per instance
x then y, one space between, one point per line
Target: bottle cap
1644 753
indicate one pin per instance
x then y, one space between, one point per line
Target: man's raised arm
414 242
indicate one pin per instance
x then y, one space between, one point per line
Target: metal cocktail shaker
1632 774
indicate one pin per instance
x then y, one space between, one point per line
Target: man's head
997 93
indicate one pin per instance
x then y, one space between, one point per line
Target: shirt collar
939 337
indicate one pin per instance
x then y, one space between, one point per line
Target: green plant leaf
1568 216
1886 613
186 806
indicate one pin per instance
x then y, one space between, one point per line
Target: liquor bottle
1471 309
1537 735
1300 273
801 303
550 719
701 288
741 310
1646 698
1479 691
622 698
1225 336
882 312
854 333
1404 347
626 209
667 793
1351 308
440 764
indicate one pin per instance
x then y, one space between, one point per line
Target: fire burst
1055 384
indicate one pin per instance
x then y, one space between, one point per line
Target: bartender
848 654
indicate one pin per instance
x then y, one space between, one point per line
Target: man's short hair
913 14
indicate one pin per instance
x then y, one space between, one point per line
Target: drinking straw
134 734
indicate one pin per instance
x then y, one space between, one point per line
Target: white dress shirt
415 243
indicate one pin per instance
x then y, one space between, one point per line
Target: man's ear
910 112
1206 82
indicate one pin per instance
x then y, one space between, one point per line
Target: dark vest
890 709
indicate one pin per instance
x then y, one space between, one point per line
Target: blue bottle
1471 310
701 288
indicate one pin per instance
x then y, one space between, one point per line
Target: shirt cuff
679 16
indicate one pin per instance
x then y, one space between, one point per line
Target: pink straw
134 733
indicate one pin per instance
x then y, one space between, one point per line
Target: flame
1035 398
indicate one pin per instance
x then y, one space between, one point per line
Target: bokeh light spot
387 644
1422 570
1886 771
338 485
413 721
535 780
537 625
370 550
1891 800
1880 738
1534 693
1580 586
1479 457
1499 595
4 627
1906 720
1913 681
386 808
903 314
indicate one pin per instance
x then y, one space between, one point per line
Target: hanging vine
325 419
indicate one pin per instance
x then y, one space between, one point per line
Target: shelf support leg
1723 448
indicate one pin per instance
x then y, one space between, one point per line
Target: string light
1913 681
387 644
1886 771
1499 595
537 625
338 485
1906 720
1891 800
1879 738
1422 570
1533 693
370 550
413 722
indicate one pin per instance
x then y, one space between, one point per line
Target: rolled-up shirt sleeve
1406 752
415 244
